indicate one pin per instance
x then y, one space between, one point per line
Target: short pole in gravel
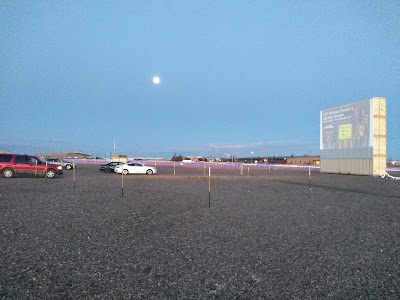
73 172
204 172
309 177
122 182
209 186
174 170
45 173
36 168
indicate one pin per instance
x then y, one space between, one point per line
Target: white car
135 168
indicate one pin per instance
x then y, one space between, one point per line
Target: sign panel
346 130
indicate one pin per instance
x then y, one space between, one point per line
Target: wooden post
209 186
45 173
122 181
74 167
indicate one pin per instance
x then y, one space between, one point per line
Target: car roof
18 154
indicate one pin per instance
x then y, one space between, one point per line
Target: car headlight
59 167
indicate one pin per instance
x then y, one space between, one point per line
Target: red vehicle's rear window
5 158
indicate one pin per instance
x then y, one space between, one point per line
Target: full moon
156 80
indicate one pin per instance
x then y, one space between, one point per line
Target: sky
237 78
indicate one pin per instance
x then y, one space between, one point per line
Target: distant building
281 160
73 155
119 157
193 158
301 160
64 155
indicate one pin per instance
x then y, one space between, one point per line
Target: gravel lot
268 234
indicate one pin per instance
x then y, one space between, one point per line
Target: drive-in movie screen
346 129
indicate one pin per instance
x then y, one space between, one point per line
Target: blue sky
236 76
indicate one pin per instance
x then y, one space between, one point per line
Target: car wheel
8 173
68 167
51 173
125 172
149 172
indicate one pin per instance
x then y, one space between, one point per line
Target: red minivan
15 164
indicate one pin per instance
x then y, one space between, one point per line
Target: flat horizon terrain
267 234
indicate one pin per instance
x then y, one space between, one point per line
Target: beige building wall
361 166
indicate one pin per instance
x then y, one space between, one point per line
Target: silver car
60 162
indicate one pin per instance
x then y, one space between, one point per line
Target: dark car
16 164
109 168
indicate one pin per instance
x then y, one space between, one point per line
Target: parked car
60 162
16 164
109 168
135 168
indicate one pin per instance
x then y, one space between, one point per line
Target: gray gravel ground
269 234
